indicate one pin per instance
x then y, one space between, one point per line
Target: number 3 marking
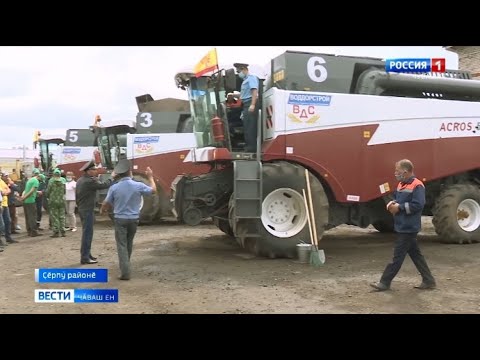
147 119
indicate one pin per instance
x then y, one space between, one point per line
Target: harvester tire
384 225
223 225
164 205
150 204
456 214
291 177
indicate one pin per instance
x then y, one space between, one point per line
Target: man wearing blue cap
249 97
126 196
56 203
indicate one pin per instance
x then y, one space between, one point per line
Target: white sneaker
18 227
74 229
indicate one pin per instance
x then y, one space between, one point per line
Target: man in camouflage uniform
56 203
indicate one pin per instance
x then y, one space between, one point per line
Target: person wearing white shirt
70 202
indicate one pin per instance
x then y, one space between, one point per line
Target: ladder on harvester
247 190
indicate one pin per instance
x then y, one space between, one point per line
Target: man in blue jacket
249 97
407 214
125 196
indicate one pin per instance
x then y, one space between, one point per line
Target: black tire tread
384 225
268 245
150 203
444 214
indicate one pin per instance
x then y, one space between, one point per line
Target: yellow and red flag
36 136
208 63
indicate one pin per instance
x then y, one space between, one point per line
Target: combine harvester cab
111 141
50 146
79 148
347 121
66 151
157 139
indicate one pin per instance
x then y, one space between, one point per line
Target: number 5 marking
73 136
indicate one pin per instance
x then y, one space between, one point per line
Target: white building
469 59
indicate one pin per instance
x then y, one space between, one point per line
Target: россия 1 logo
434 65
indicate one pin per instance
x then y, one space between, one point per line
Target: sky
55 88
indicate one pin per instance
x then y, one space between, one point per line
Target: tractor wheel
456 215
164 205
223 225
283 222
384 225
148 205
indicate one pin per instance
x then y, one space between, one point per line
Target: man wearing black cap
85 194
249 97
126 196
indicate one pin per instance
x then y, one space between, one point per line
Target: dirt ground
182 269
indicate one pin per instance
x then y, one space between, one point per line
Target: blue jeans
250 127
87 218
125 230
6 223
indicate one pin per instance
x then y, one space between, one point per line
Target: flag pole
216 56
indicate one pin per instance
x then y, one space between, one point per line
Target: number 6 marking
316 72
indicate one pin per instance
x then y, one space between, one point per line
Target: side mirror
230 80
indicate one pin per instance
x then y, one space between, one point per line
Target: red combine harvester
347 121
66 151
161 137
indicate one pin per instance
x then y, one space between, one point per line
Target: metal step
247 190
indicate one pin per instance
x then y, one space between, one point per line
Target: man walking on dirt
406 208
85 194
125 196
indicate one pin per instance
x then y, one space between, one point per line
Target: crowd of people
31 194
64 194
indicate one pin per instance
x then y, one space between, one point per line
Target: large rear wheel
149 203
223 225
456 215
283 223
384 225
